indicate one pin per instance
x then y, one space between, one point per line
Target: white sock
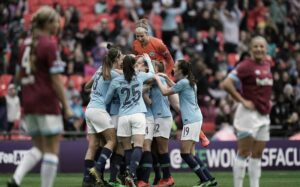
239 170
49 169
31 158
254 169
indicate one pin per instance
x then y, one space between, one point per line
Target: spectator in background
168 14
252 115
100 7
42 94
231 21
70 91
13 108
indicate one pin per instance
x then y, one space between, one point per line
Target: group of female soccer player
129 109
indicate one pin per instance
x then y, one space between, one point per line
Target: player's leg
145 164
50 160
189 137
93 144
109 136
254 167
162 132
213 181
117 157
146 161
155 163
244 151
31 158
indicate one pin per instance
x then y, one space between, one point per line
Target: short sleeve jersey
99 90
38 95
256 83
160 104
130 94
190 111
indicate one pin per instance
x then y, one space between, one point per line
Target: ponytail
128 67
109 60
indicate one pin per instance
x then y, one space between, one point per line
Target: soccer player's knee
244 153
257 153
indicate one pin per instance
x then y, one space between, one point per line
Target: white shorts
36 125
114 120
191 131
247 120
261 133
131 125
97 120
149 128
163 127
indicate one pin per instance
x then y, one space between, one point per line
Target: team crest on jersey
152 54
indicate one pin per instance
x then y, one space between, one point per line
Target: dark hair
128 67
109 60
186 69
160 66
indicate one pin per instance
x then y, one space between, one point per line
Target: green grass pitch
269 179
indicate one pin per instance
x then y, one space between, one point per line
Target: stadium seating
5 80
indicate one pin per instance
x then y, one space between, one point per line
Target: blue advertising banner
279 155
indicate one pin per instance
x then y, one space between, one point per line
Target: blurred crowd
213 34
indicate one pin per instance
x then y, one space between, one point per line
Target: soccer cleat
116 184
98 176
88 184
204 140
203 184
121 177
129 180
12 183
213 182
142 183
166 182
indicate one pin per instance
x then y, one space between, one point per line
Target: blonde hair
42 17
39 20
142 25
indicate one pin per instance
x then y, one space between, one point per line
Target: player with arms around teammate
97 118
99 121
191 117
42 93
152 46
132 121
252 115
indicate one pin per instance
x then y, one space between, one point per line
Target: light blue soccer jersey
160 103
149 110
114 105
190 111
130 94
99 90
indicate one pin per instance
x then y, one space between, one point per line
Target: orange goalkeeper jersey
157 50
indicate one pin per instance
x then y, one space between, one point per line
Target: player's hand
68 113
162 75
147 58
156 77
248 104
